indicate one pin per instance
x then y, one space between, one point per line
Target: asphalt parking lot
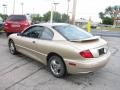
22 73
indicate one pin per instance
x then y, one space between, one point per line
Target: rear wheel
12 47
57 66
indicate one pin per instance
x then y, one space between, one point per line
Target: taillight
86 54
25 22
5 24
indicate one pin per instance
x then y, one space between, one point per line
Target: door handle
33 41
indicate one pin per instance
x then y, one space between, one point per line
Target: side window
33 32
47 34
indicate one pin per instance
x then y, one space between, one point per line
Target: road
106 33
18 72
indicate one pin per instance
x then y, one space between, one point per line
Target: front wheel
57 66
12 47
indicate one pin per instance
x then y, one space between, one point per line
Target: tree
57 17
112 11
3 16
36 18
46 16
109 14
107 21
65 18
101 15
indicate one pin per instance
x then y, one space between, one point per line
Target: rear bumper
8 30
86 66
14 30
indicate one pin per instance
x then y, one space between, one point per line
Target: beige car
64 48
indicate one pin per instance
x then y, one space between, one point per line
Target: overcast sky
85 8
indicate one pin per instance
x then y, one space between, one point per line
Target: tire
57 66
12 47
7 34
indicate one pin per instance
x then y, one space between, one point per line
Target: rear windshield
16 18
71 32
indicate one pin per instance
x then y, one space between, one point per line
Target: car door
44 44
26 42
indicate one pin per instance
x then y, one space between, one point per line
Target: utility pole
4 9
51 16
33 10
55 4
13 6
68 10
74 11
68 7
52 11
22 7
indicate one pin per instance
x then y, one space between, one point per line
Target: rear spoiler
87 39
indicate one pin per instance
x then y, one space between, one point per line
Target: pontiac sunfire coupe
64 48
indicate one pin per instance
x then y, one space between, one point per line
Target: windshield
72 32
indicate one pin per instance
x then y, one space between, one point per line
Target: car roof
51 24
17 15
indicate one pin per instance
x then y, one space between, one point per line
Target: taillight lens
86 54
5 24
25 22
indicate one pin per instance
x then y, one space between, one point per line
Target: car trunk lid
96 45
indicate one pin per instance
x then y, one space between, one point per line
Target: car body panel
70 51
1 23
27 47
89 65
16 26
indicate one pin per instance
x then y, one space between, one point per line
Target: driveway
107 33
18 72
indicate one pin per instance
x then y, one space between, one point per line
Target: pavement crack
24 78
16 67
43 83
8 66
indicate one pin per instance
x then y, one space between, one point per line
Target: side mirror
19 34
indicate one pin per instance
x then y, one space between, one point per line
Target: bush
107 21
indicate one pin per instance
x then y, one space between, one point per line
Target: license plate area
15 25
101 51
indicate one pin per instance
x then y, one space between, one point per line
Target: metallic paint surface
69 51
